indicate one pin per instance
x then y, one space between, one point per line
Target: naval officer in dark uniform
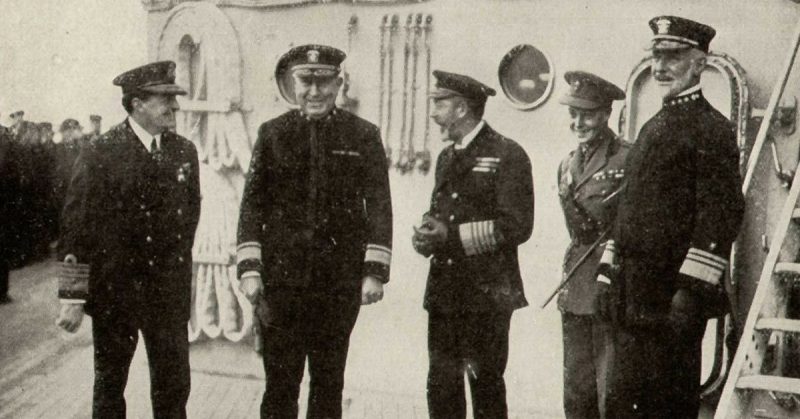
481 210
588 182
677 219
128 227
315 234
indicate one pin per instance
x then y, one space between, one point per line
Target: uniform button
147 213
180 211
179 237
142 206
150 262
149 239
449 261
452 217
454 195
180 258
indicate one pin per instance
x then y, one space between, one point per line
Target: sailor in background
128 228
677 218
94 133
315 234
481 210
10 201
588 182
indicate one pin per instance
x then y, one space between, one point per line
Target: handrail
763 131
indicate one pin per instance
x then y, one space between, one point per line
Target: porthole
526 76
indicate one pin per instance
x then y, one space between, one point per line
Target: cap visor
440 93
666 45
580 103
165 89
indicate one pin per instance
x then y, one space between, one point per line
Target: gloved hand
421 242
605 306
685 312
431 234
251 286
70 317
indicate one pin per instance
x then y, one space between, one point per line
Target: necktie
155 151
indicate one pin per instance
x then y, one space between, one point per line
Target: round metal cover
526 76
285 82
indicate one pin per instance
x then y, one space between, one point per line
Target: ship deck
47 373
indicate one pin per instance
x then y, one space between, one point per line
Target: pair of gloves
430 235
686 309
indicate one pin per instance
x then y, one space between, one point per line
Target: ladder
762 382
756 387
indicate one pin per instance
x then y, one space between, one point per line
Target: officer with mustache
588 182
676 221
129 220
315 234
481 211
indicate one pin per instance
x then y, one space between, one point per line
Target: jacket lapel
599 159
456 167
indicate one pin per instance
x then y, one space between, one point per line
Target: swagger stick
402 158
425 155
577 265
392 32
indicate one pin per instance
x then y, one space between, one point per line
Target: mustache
662 77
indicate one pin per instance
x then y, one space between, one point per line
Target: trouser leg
655 374
284 352
446 398
170 378
580 374
486 345
114 345
330 341
4 275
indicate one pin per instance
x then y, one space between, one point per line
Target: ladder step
788 269
769 383
779 324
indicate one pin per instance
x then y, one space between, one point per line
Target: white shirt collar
470 136
695 88
145 137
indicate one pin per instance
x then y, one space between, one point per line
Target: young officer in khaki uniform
588 181
481 210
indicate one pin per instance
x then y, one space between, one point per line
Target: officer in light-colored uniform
588 182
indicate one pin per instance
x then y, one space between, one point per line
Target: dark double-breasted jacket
131 216
588 188
679 212
485 195
316 210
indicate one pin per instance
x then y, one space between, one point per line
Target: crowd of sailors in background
38 162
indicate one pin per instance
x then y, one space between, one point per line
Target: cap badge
663 26
313 56
576 85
